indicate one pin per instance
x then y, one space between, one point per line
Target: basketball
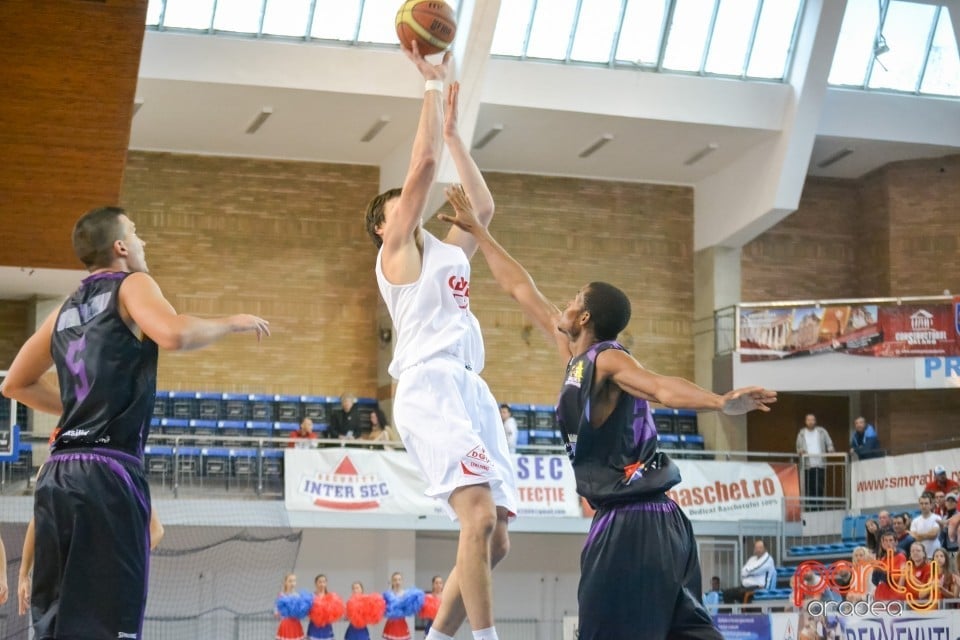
430 22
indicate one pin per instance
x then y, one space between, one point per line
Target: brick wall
285 240
812 253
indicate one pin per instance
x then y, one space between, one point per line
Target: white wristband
433 85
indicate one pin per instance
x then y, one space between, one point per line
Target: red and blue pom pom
431 605
326 609
294 605
406 604
365 609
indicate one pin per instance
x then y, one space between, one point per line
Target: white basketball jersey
432 315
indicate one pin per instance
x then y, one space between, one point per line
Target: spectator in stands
861 586
941 482
884 591
379 431
901 531
925 528
947 575
509 426
864 441
873 536
812 442
884 521
949 515
759 572
939 503
345 423
920 567
303 438
714 597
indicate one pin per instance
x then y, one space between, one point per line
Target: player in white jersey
446 415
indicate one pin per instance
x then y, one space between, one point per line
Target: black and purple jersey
618 461
107 374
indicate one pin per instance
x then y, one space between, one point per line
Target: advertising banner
799 625
898 480
370 481
736 490
743 626
887 331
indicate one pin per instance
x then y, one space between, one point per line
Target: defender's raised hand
464 216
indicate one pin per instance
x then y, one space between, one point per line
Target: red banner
888 331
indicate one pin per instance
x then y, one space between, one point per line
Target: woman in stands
290 627
861 585
873 536
947 575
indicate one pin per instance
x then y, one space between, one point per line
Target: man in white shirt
759 572
812 442
509 427
925 528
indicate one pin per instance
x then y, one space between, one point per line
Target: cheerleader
400 604
291 607
363 609
431 604
326 608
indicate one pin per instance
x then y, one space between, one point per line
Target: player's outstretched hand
747 399
464 217
427 70
243 322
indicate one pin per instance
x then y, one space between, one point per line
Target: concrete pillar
716 285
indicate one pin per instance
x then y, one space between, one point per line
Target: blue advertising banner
743 626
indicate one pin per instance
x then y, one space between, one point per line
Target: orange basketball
431 23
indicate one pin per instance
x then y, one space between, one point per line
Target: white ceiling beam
762 187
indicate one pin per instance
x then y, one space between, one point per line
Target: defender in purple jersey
92 503
640 574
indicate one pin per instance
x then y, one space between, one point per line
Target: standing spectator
812 442
925 528
346 421
303 438
949 515
758 572
941 482
884 521
509 426
864 442
939 503
901 532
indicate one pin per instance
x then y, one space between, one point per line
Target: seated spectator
885 589
915 584
714 597
864 442
925 528
345 422
884 521
941 482
949 517
861 585
873 536
303 437
380 431
901 526
947 575
759 572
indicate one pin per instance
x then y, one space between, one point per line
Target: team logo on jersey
460 287
575 375
344 488
633 472
477 462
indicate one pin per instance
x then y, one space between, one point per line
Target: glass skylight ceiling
751 39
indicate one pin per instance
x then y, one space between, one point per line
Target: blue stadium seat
227 429
215 462
158 460
234 406
261 407
691 441
205 428
668 440
207 406
287 408
180 405
175 426
846 530
664 421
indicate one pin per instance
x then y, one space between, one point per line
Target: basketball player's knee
480 522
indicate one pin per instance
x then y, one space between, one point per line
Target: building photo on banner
350 480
